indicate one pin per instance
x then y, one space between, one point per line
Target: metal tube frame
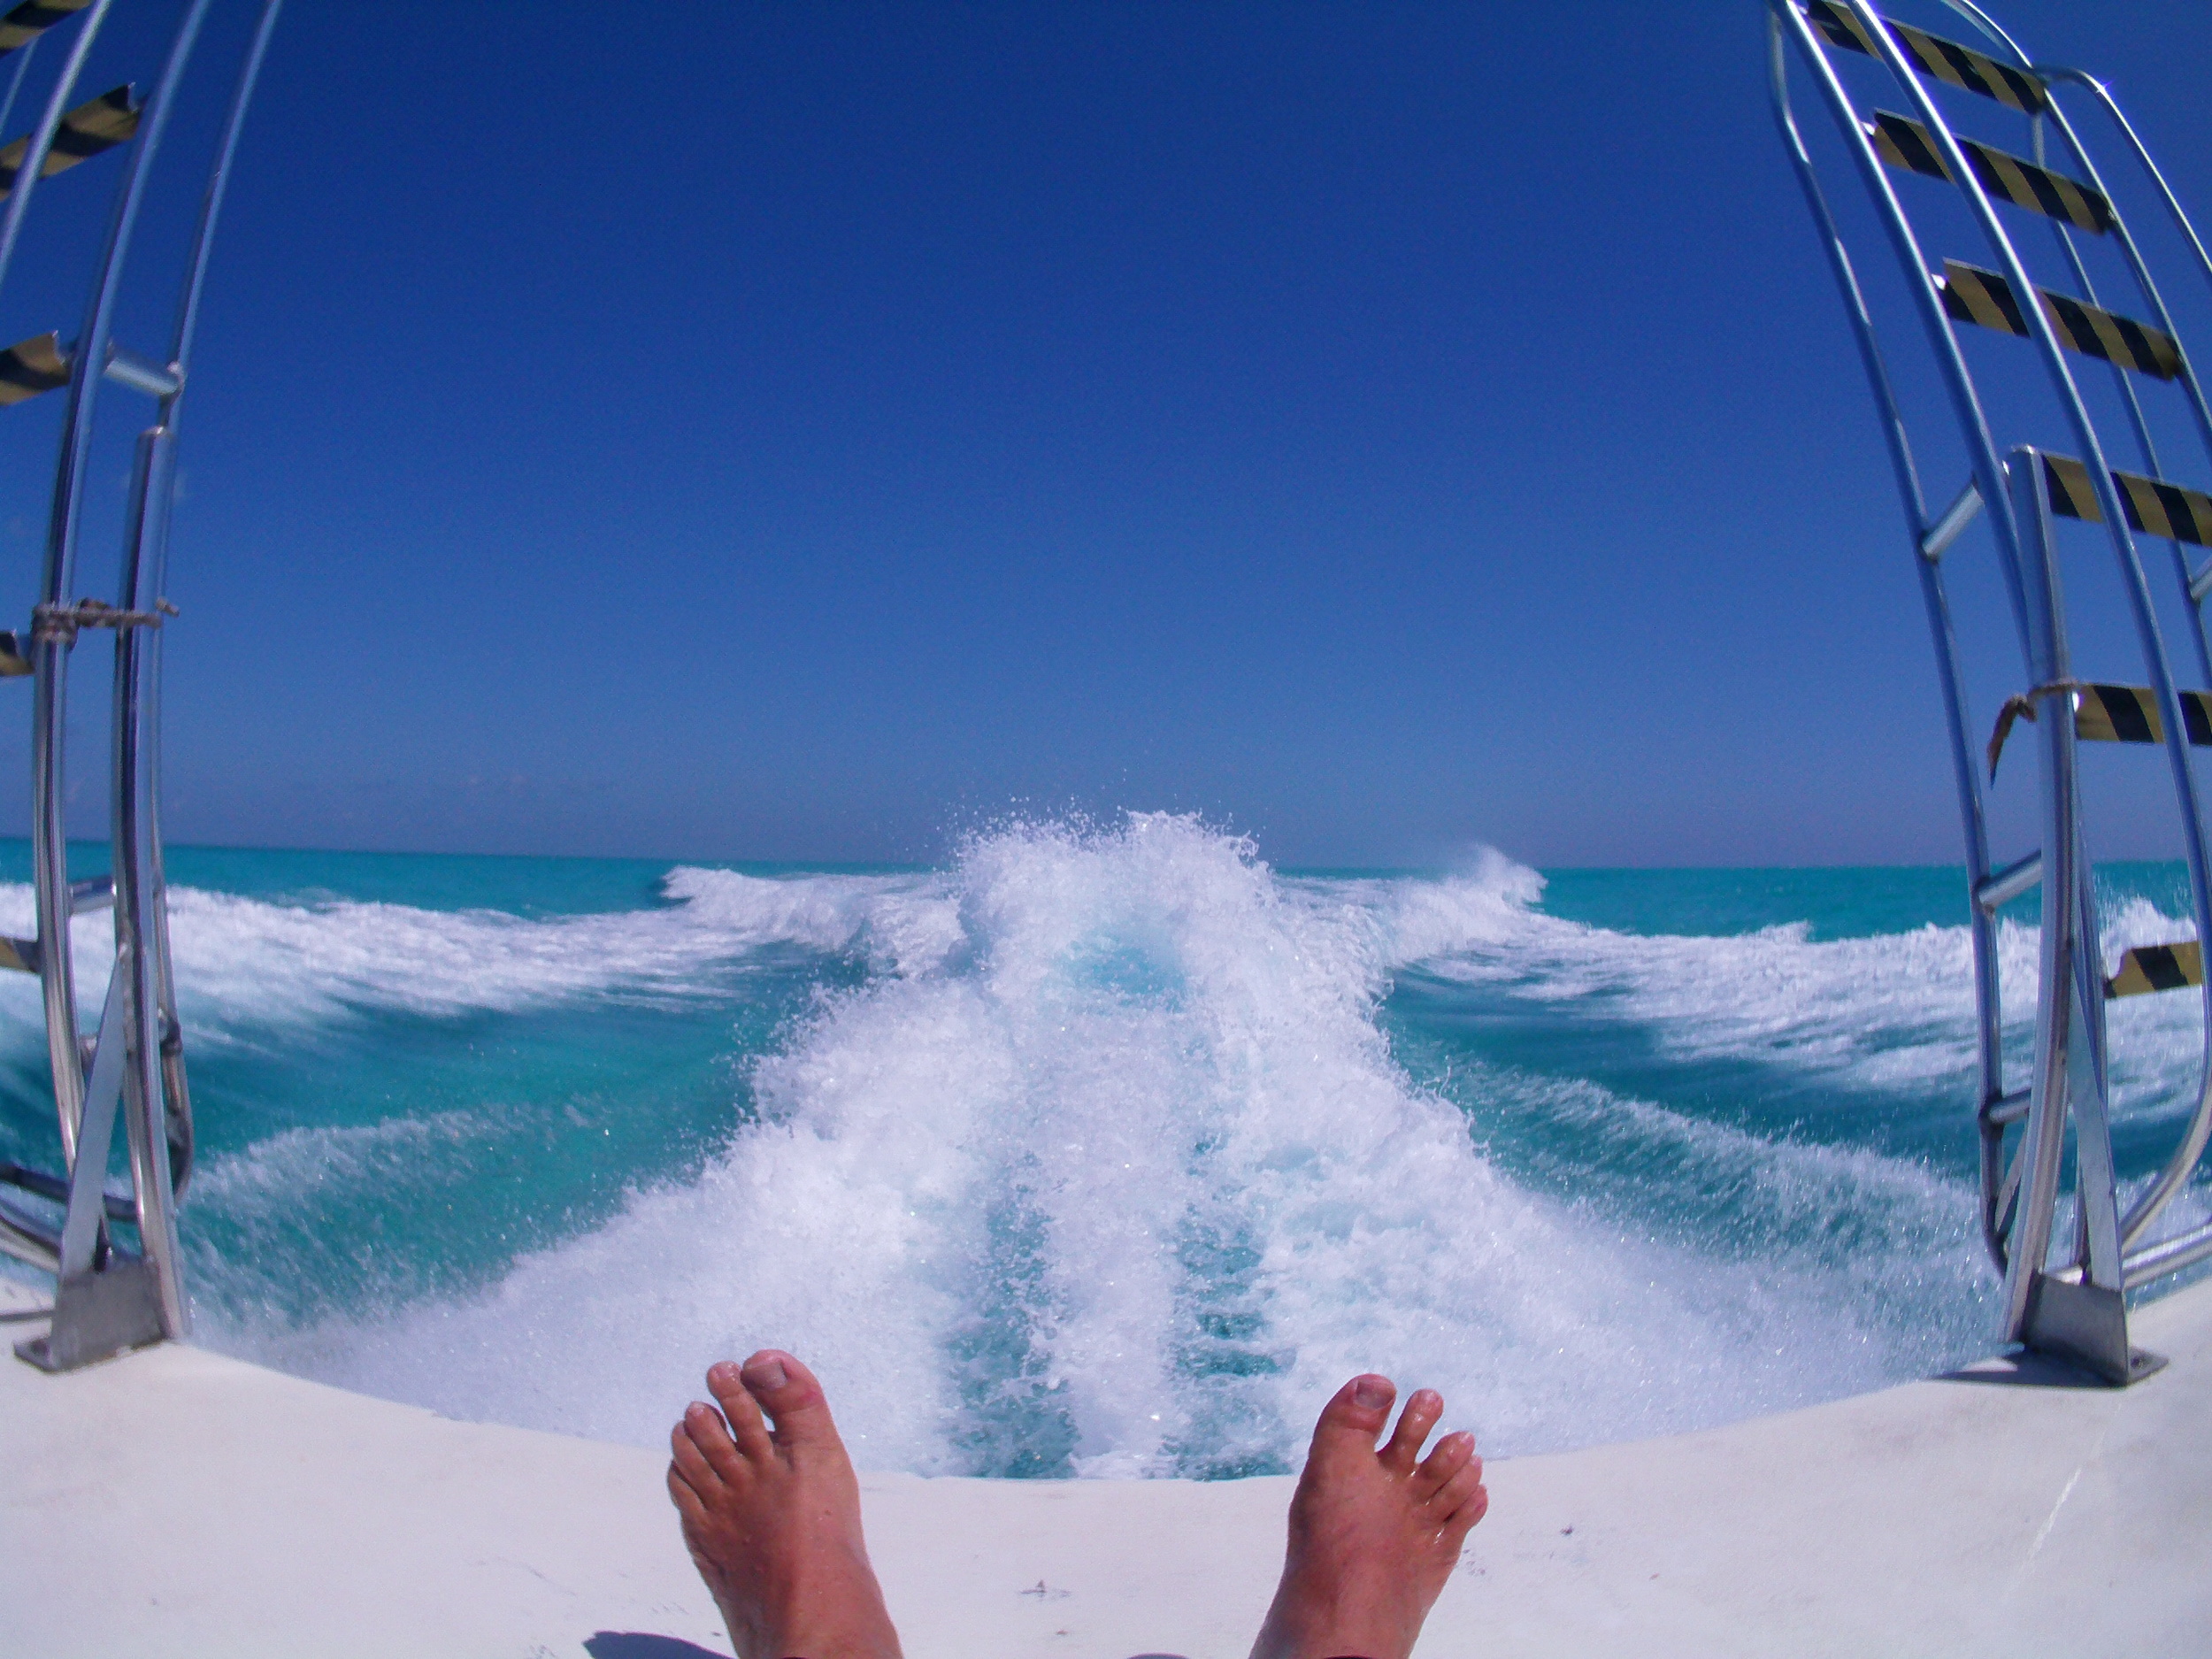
22 1235
108 1300
2125 240
27 176
1931 538
15 82
2195 587
2077 1307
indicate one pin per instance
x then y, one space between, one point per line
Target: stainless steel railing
2065 1295
109 1296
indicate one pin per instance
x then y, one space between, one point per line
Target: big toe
1354 1414
792 1395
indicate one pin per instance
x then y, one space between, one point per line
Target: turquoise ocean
1102 1149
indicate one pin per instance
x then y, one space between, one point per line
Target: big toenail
1371 1392
770 1376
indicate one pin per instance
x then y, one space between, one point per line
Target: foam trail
245 966
1109 1169
1891 1012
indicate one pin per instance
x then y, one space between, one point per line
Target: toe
1414 1424
1355 1416
1463 1501
1452 1454
791 1395
1453 1534
703 1431
746 1430
686 1497
687 1460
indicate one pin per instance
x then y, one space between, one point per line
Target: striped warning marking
1905 143
20 955
31 366
2150 968
33 18
2107 714
87 130
15 654
2153 505
2066 485
1947 61
1975 296
2128 714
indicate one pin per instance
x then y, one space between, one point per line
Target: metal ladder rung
23 955
2006 885
33 18
31 366
102 124
2150 968
127 367
2155 1261
1907 145
2008 1108
56 1187
2152 504
1946 61
1939 535
1972 295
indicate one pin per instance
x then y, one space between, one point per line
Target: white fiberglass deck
176 1502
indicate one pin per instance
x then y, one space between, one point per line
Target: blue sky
813 431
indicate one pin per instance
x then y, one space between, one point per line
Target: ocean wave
1893 1011
1111 1170
245 966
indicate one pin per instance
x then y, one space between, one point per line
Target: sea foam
1106 1166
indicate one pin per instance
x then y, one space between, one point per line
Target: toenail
771 1375
1371 1392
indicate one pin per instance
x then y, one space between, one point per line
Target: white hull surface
176 1503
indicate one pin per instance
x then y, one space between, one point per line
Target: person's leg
772 1516
1373 1533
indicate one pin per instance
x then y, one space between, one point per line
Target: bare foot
1374 1534
772 1516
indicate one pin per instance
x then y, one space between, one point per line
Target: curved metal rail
2075 1305
109 1298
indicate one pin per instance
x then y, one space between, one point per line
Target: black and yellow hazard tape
15 654
1947 61
2107 714
31 366
2152 505
33 18
106 121
2128 714
2150 968
1906 144
2066 485
20 954
1975 296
